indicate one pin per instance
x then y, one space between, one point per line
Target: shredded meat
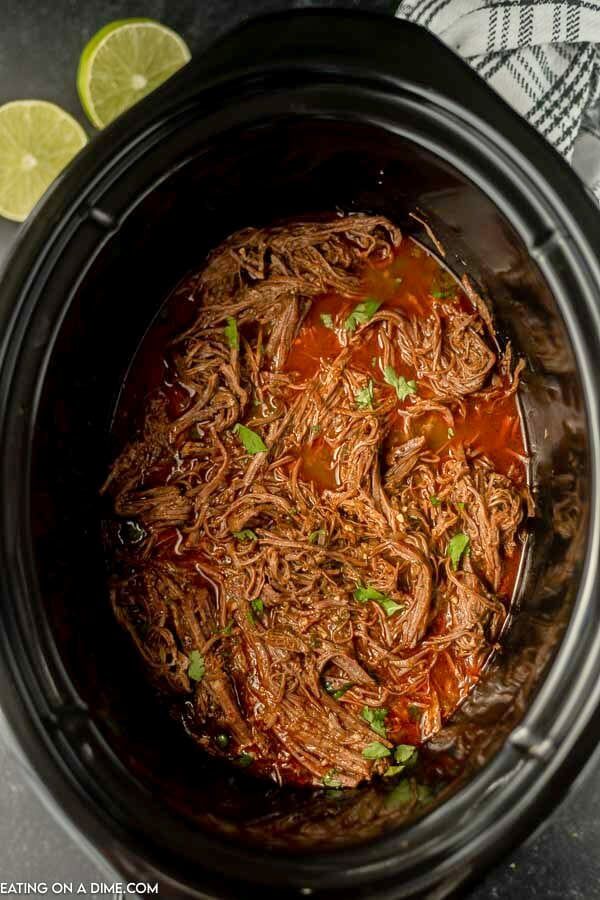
251 561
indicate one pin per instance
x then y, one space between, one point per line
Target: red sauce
408 284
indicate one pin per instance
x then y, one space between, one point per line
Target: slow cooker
291 114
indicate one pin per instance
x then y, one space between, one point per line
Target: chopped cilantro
364 594
361 313
390 606
460 505
376 719
246 534
231 333
402 387
393 770
456 547
443 286
435 501
336 694
227 630
330 780
406 792
376 750
424 793
314 536
415 713
406 754
258 607
341 691
196 667
402 795
326 320
364 397
222 741
250 439
244 760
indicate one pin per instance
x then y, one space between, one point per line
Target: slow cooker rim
65 189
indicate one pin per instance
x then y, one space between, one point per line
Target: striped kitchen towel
542 57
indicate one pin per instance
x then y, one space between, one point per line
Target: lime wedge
123 62
37 140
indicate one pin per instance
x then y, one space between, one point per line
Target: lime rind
123 62
37 140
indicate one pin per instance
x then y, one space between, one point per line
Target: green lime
37 140
123 62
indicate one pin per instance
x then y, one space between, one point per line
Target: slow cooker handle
331 41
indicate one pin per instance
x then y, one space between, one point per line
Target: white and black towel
542 57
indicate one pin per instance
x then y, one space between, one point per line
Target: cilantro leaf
244 760
390 606
329 779
376 750
246 534
231 333
364 397
406 792
424 793
363 594
361 313
400 796
393 770
336 694
456 547
258 607
314 536
327 320
250 439
443 286
406 754
402 387
222 741
196 667
376 719
435 501
415 713
341 691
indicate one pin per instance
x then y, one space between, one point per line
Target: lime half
123 62
37 140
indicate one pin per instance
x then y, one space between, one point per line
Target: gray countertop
40 43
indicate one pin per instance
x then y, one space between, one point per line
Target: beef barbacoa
316 526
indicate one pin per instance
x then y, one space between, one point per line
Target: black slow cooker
292 114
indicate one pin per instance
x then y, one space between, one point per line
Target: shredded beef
255 566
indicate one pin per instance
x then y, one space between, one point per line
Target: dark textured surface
40 44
